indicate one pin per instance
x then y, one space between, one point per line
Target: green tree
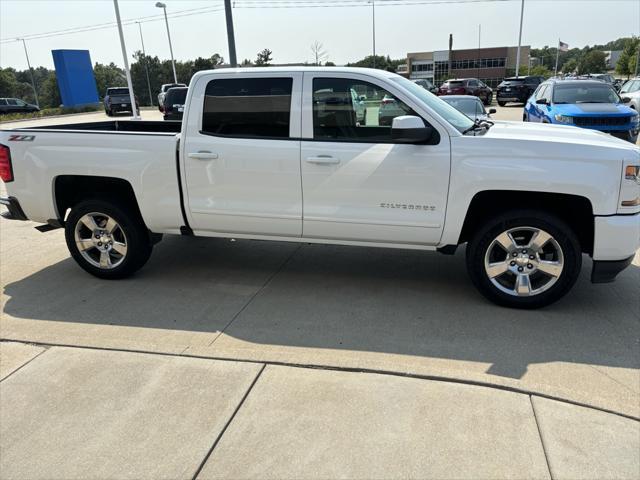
592 62
570 66
264 58
108 76
8 82
49 93
379 61
627 62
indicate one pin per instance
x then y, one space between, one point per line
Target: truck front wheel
106 239
524 259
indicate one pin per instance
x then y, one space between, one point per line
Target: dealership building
488 64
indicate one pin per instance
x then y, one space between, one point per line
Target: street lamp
33 83
173 63
132 97
519 39
146 67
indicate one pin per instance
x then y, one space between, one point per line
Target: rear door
242 154
358 184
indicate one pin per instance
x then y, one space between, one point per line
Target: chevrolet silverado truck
279 154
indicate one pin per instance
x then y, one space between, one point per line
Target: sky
345 32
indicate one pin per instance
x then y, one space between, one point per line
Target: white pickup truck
283 154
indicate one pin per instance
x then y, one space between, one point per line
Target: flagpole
557 56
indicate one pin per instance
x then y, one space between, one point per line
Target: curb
390 373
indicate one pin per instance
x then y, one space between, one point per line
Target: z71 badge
407 206
21 138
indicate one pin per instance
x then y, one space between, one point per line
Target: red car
467 86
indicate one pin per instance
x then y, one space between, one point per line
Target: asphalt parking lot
367 310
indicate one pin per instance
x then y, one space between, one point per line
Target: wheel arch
69 190
575 210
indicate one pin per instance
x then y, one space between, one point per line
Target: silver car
631 90
471 106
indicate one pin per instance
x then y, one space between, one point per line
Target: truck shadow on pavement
342 298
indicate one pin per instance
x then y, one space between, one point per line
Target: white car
470 105
258 156
631 90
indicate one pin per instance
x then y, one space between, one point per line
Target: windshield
468 106
118 91
630 86
585 94
513 81
459 120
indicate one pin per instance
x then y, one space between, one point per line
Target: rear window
453 84
513 81
176 96
248 107
117 91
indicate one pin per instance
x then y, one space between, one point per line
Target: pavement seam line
264 285
544 447
224 429
390 373
25 364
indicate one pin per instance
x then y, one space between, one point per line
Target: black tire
488 100
108 112
502 104
130 225
560 232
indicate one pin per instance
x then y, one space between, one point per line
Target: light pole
230 36
166 21
132 97
373 21
146 67
519 39
33 83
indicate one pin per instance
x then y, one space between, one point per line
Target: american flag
563 47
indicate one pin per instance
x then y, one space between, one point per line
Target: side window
547 94
337 117
3 101
540 92
11 101
248 107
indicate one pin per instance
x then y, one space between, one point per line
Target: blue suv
583 103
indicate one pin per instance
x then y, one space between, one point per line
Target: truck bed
134 126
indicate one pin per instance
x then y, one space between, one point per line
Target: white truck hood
544 132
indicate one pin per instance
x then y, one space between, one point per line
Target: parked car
163 91
427 85
471 106
116 100
617 84
467 86
327 101
174 103
517 89
604 77
252 159
389 109
15 105
631 91
590 104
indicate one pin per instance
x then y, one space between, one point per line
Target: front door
242 154
358 184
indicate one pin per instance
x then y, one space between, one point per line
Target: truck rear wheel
524 259
106 239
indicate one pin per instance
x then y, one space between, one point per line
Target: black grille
600 121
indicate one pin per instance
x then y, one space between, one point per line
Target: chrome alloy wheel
524 261
101 240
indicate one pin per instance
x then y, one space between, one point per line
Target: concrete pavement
85 413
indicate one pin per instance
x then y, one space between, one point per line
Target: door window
540 92
248 107
11 101
335 117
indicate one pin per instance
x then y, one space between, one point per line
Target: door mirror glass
410 129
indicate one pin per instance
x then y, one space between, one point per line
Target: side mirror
626 100
542 101
411 129
362 98
492 111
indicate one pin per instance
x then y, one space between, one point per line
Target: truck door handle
323 160
203 155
